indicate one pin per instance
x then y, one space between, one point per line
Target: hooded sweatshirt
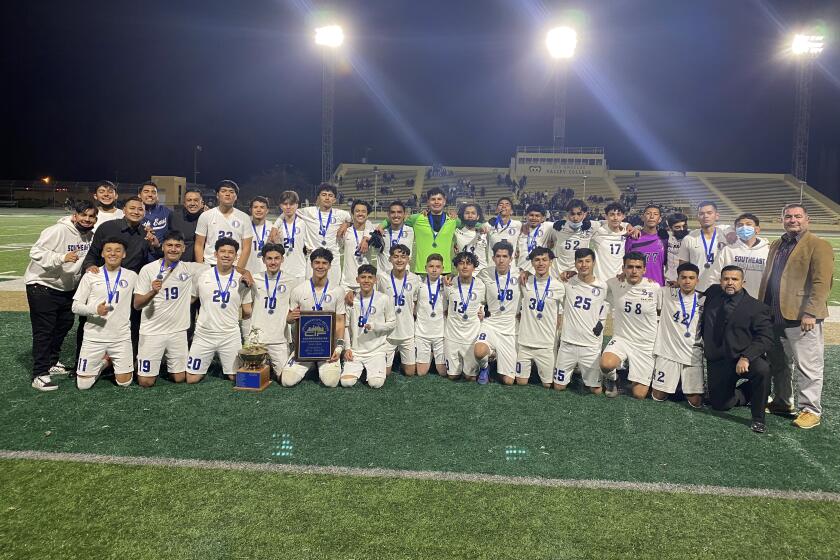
47 266
751 259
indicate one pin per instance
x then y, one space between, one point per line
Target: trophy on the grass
255 372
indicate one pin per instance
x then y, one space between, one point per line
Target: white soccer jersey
635 311
566 241
671 341
695 251
538 236
752 260
501 291
403 299
463 302
322 227
214 225
382 318
221 300
404 235
503 232
93 290
353 259
674 245
537 331
609 251
330 300
582 309
291 236
260 234
169 310
103 217
426 325
270 296
475 242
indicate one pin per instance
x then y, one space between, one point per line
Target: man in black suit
737 332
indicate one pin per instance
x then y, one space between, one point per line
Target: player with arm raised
223 221
634 302
325 226
466 298
429 307
400 285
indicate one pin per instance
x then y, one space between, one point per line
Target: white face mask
575 225
745 233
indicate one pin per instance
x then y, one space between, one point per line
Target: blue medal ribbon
436 233
541 300
273 297
532 240
322 229
261 241
111 293
223 294
433 298
399 235
710 248
356 235
291 238
364 315
684 314
319 303
461 295
499 221
163 265
402 290
502 293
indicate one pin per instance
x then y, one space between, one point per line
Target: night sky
102 89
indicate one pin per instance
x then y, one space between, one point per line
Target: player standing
105 196
354 253
652 243
262 232
571 234
701 246
608 242
429 306
536 232
288 230
503 227
677 230
469 237
223 222
463 322
749 253
397 233
401 285
324 226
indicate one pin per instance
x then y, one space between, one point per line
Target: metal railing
555 150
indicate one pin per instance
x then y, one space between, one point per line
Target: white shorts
278 355
429 349
406 348
460 358
504 348
92 357
586 358
543 357
373 363
668 373
641 363
152 348
293 372
204 348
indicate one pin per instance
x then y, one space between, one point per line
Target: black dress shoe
758 427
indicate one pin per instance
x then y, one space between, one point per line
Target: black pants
722 379
51 314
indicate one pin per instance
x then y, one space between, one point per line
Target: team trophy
255 372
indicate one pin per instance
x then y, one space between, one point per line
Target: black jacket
137 248
185 222
748 330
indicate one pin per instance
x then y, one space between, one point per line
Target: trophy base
248 379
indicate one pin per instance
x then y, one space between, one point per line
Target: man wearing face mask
748 253
51 278
677 230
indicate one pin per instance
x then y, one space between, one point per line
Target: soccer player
288 230
534 233
223 297
581 335
429 306
104 297
466 298
324 226
540 310
634 302
608 242
271 293
677 351
571 234
749 253
163 293
503 227
400 285
353 242
501 288
158 216
677 230
468 237
701 246
372 319
223 221
54 271
318 294
652 243
262 232
105 196
397 233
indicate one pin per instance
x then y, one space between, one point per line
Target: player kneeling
104 297
679 356
429 304
401 284
222 294
271 292
163 293
501 286
372 319
318 295
466 299
634 301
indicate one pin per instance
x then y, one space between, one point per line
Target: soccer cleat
44 383
806 420
58 369
610 388
782 409
758 427
483 376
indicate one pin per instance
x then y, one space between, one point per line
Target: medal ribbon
365 314
502 293
499 221
273 297
321 228
399 235
433 299
532 240
402 291
112 293
163 265
693 308
286 228
226 291
261 242
319 302
710 248
541 300
461 294
436 233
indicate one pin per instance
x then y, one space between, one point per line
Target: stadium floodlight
807 44
329 36
46 180
561 42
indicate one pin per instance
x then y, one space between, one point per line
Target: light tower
805 48
561 43
331 37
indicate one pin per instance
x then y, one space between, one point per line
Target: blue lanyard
693 308
461 294
286 228
433 299
356 235
499 221
436 233
532 240
541 300
399 235
273 297
319 302
112 293
162 266
321 228
262 237
499 287
365 314
223 293
708 249
402 291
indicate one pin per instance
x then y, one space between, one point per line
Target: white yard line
427 475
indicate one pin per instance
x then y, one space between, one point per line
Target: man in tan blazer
796 284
